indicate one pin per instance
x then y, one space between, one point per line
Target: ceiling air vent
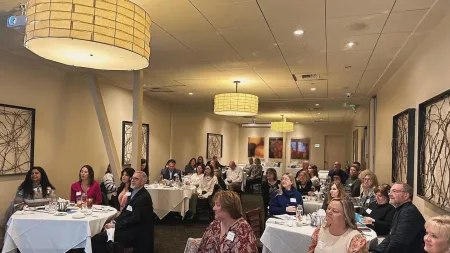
310 76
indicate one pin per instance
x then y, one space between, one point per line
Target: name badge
230 236
321 245
368 210
293 200
368 201
78 193
350 185
129 208
128 194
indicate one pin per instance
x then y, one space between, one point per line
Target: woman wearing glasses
379 214
369 184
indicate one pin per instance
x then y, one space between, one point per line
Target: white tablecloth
167 200
311 206
283 239
40 232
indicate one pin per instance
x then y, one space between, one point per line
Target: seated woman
195 178
220 180
205 189
304 185
86 184
190 168
269 187
339 233
437 237
368 195
254 174
313 173
124 189
109 184
229 232
35 189
379 214
286 199
336 191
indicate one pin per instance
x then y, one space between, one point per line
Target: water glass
299 213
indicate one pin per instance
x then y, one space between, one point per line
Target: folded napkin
110 233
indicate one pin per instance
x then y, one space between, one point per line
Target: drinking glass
299 213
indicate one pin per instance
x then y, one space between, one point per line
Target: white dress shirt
206 183
234 175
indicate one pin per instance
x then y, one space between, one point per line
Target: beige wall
67 131
316 133
189 135
360 120
423 76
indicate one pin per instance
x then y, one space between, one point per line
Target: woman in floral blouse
229 232
339 233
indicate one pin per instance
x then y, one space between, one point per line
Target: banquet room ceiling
202 46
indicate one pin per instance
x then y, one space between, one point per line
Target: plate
60 214
80 216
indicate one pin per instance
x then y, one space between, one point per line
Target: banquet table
42 232
279 238
170 199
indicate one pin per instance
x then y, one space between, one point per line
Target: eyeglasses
395 191
134 178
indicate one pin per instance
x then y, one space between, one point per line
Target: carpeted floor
171 233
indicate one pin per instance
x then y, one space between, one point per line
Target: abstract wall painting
403 129
127 142
300 148
214 145
256 147
276 147
17 125
433 173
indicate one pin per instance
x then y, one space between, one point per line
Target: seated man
353 183
336 171
134 226
171 172
407 229
234 177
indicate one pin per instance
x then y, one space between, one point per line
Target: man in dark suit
134 226
171 172
337 172
407 229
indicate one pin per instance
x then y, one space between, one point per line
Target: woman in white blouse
205 189
195 178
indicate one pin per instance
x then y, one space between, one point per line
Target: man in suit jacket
134 226
170 172
407 229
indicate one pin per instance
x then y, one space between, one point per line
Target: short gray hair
408 189
144 175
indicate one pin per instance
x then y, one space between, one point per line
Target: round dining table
170 199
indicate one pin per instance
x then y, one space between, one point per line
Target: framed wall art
127 142
403 130
214 145
255 147
300 148
276 147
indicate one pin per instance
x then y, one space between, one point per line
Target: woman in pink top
88 185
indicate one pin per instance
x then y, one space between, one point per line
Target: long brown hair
349 213
340 188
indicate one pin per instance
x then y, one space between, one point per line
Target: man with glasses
407 230
134 226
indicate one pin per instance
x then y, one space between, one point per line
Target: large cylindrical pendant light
236 104
96 34
282 126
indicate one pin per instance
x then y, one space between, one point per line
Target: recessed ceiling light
317 104
321 119
190 93
299 32
313 89
351 44
318 113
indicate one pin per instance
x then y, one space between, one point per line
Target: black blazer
166 173
407 232
134 226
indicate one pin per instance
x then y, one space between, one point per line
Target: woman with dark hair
108 183
201 162
304 184
144 168
379 214
312 170
269 187
86 184
191 167
124 189
35 189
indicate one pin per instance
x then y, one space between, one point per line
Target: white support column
283 159
138 93
104 126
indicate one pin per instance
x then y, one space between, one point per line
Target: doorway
335 150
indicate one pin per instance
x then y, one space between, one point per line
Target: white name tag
129 208
78 193
128 194
293 200
368 201
350 185
368 210
321 245
230 236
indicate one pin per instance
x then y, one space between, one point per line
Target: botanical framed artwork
17 126
127 142
433 168
355 145
403 130
300 148
276 147
214 145
255 147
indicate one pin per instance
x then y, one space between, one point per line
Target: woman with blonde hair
437 237
304 184
339 233
336 191
369 183
286 199
229 232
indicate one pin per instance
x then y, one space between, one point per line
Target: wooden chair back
253 218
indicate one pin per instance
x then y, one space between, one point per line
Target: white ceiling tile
381 57
343 26
288 11
307 63
407 5
320 85
216 2
313 37
345 8
405 21
388 40
355 59
288 93
344 82
363 42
